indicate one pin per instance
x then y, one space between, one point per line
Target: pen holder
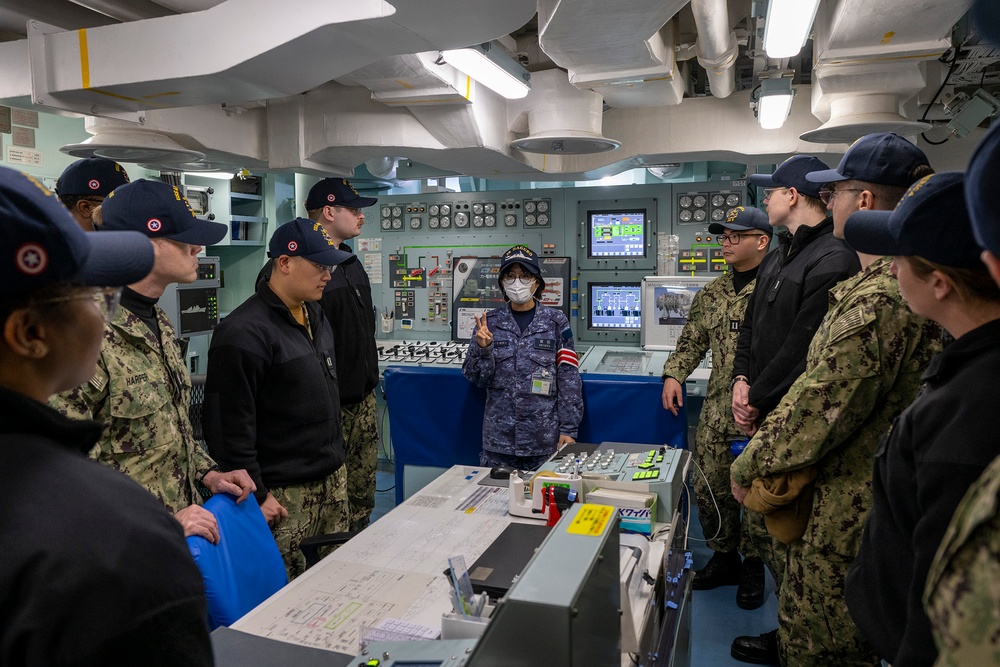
386 323
454 626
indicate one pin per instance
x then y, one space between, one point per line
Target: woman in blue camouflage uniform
523 354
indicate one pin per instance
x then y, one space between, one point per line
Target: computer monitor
616 234
197 310
668 300
614 306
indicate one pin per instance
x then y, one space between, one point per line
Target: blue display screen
615 306
617 234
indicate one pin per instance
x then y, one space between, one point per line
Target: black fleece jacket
347 304
272 403
789 301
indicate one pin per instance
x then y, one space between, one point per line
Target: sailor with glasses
272 397
523 354
863 367
713 323
141 389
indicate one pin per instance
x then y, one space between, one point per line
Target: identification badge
545 344
541 383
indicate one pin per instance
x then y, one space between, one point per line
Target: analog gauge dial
700 215
543 206
491 221
718 200
445 209
543 219
684 202
433 210
510 220
733 200
386 223
490 208
414 222
397 223
461 219
699 201
685 216
434 222
529 207
445 222
397 211
386 211
718 214
529 219
477 208
477 221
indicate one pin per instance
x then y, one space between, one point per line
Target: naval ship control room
387 333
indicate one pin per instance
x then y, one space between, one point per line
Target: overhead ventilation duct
207 138
125 142
562 119
625 56
855 94
412 80
855 116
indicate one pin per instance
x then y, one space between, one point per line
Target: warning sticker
591 520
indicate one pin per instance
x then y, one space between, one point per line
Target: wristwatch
739 378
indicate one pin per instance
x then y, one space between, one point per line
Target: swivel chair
245 567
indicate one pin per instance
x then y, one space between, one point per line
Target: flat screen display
615 306
617 234
197 310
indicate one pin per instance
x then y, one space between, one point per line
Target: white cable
715 503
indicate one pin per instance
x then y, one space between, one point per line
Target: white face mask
520 291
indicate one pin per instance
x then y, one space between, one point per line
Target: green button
637 476
645 465
659 459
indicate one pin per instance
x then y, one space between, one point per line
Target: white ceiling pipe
716 46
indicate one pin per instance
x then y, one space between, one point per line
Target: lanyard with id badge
541 382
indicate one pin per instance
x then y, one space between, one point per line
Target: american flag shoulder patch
567 356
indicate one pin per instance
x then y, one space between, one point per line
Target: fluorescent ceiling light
788 25
491 67
774 103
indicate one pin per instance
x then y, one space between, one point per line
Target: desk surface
391 570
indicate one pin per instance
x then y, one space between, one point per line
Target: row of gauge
463 215
694 208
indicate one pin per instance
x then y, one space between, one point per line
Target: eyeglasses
324 268
770 191
510 278
351 209
106 298
826 195
733 239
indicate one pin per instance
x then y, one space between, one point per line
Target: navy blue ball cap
742 219
882 157
158 210
930 221
41 244
523 255
980 189
92 176
792 174
306 238
336 192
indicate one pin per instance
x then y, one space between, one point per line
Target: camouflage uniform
142 391
962 597
713 322
863 368
314 508
518 422
360 427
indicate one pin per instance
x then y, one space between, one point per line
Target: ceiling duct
716 45
562 119
855 94
855 116
126 142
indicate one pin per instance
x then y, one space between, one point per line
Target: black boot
750 594
760 650
722 569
